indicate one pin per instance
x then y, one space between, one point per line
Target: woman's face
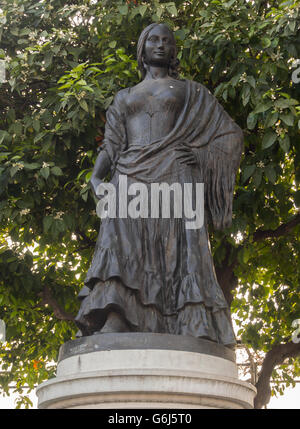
159 46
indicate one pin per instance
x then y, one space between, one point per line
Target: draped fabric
155 272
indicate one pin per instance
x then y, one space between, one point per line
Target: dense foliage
64 61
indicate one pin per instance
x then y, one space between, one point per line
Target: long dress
155 272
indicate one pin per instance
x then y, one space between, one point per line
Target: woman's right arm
101 169
114 141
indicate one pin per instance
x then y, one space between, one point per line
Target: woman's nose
160 44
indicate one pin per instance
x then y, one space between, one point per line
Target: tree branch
83 238
283 229
58 311
225 274
275 356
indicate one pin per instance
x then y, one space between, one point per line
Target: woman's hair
174 62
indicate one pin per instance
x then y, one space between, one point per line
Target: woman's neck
156 72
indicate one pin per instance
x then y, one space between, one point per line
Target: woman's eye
154 39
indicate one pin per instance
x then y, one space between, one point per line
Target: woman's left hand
186 155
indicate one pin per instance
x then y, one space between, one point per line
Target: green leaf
11 115
292 25
31 166
268 139
47 222
84 196
142 9
288 119
270 173
88 176
16 128
39 137
246 255
36 125
3 135
159 12
283 103
247 172
83 105
171 8
180 33
13 171
271 119
57 171
246 92
262 107
44 172
266 42
285 143
251 81
228 4
123 9
134 12
251 121
257 176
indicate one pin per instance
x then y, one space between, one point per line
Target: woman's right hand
185 155
95 182
101 169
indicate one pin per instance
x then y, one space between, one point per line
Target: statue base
141 370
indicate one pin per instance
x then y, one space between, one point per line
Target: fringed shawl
205 128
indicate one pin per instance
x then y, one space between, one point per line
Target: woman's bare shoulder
120 96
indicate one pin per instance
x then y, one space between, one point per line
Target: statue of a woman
154 274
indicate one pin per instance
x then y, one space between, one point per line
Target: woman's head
157 46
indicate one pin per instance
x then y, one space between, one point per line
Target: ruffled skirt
159 276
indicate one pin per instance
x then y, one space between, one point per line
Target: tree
65 60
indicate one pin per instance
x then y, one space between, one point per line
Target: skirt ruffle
193 317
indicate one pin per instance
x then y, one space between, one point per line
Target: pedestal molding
143 341
142 379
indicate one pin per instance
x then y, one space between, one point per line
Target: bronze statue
154 274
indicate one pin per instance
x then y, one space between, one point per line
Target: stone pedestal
138 370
